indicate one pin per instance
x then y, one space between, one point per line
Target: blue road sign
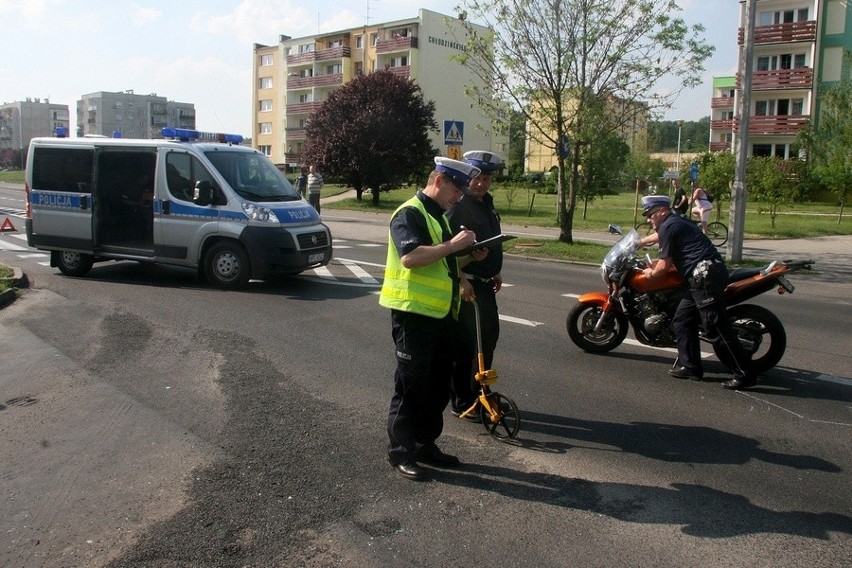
453 133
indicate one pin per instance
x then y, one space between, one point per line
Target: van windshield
253 176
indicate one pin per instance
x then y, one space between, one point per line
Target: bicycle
497 412
717 231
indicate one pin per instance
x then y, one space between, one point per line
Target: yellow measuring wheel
499 413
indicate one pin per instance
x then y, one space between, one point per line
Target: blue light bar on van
60 132
186 134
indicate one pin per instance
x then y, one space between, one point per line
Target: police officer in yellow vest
422 289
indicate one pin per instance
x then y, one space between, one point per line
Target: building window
761 150
266 128
335 69
399 61
797 106
359 67
359 41
266 82
374 38
764 108
266 149
306 48
266 105
306 98
799 61
265 60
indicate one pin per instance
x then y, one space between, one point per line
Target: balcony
316 81
400 70
396 44
295 133
292 158
302 108
720 146
801 78
723 124
722 102
795 32
339 52
787 125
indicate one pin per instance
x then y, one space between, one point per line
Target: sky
200 51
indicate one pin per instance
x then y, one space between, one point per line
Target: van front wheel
227 266
74 263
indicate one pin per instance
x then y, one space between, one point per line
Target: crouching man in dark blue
423 290
684 246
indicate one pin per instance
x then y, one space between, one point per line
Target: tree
372 133
774 181
602 168
828 143
557 60
716 172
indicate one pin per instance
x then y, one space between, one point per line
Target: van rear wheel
226 266
74 263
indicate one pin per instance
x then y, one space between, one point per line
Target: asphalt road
148 420
151 421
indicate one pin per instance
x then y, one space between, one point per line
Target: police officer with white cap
476 212
684 246
422 289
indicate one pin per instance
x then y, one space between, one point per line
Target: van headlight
259 213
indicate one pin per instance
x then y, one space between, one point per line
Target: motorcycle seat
738 274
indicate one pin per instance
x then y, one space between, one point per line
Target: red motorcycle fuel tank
641 283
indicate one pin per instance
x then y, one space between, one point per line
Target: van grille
313 240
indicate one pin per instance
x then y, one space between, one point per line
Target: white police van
191 199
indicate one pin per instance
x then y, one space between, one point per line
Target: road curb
19 280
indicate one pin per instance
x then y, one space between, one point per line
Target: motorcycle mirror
614 230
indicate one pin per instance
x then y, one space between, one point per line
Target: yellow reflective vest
425 290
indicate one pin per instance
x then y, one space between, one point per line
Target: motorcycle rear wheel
761 335
581 322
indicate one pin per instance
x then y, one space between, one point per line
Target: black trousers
424 363
464 387
703 303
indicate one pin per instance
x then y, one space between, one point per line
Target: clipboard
495 240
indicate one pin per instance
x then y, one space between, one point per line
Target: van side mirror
203 193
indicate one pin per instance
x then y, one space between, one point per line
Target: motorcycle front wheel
581 323
761 335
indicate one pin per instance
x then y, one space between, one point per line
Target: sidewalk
832 256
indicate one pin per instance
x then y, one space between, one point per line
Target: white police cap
488 162
460 172
649 202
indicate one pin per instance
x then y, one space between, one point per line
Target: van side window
63 169
183 171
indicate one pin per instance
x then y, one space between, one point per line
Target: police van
192 199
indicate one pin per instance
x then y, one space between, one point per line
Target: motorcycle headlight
259 213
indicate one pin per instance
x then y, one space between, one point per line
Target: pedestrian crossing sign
453 133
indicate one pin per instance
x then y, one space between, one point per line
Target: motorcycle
599 321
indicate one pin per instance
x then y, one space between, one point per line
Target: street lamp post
679 126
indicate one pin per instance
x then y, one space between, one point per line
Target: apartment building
539 155
130 115
22 121
294 77
798 51
722 112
